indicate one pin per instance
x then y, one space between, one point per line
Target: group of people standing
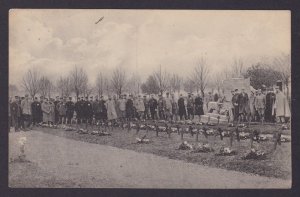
261 105
25 112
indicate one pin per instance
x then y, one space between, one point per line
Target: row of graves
212 127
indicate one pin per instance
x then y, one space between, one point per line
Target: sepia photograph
156 99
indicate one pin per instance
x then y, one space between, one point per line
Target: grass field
277 164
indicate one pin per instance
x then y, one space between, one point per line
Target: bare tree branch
30 82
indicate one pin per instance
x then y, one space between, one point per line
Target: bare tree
162 78
78 78
218 79
107 86
87 90
118 80
134 84
45 86
200 75
282 63
189 85
63 85
30 82
100 84
238 68
175 83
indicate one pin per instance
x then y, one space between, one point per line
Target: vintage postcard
179 99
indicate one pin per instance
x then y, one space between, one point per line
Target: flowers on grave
226 151
142 140
255 154
203 148
185 146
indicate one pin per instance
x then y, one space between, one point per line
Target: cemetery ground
276 165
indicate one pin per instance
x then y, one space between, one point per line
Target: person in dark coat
146 105
152 107
88 110
97 110
15 113
243 104
36 111
270 100
56 118
129 108
181 108
103 110
190 107
78 110
198 106
161 107
70 110
235 104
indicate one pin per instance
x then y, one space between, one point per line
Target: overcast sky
141 40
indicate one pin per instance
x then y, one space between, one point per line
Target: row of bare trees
160 81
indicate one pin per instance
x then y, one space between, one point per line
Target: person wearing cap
62 110
36 109
168 107
52 111
174 108
161 106
281 106
198 106
46 111
15 113
111 110
190 107
146 106
70 107
235 105
103 110
56 114
260 105
153 107
26 111
251 106
97 110
122 107
140 107
88 111
129 108
181 108
77 109
243 103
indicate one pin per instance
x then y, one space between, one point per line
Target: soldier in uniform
235 105
168 107
190 107
103 110
26 111
88 111
122 107
181 107
62 109
146 104
129 108
174 108
161 107
97 110
70 110
36 111
56 114
153 107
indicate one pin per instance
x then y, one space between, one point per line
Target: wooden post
156 129
181 134
197 135
231 138
129 127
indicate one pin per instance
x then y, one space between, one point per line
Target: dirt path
80 164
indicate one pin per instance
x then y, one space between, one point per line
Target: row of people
24 111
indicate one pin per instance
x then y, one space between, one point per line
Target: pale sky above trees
55 41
